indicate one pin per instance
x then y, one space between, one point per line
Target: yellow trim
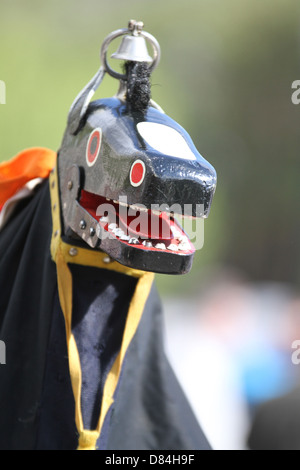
88 440
136 308
61 253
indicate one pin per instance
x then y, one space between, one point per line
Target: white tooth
119 232
126 238
112 226
183 247
173 247
107 199
160 246
134 241
176 232
116 202
139 208
104 220
123 204
147 243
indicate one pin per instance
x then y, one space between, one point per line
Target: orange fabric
27 165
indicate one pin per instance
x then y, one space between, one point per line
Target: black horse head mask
126 169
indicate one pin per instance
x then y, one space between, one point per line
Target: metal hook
135 28
80 104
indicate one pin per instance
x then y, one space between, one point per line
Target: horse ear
80 105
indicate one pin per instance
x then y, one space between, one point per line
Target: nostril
137 173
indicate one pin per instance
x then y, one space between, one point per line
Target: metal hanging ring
122 32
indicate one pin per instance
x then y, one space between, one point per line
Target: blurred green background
225 76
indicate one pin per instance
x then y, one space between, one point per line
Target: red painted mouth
137 227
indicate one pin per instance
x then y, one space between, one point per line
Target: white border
88 144
135 185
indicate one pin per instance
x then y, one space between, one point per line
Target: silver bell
133 48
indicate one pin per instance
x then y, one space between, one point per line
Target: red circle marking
93 142
137 173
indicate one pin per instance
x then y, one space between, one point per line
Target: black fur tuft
138 86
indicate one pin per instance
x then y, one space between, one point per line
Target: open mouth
137 226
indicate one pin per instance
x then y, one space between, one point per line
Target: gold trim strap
62 254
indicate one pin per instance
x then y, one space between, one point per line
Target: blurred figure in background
276 423
232 351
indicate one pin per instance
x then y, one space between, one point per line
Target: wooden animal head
126 169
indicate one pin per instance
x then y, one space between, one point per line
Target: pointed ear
79 106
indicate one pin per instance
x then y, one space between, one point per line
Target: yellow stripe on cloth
62 254
135 312
88 440
65 291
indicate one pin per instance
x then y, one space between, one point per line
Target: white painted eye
137 173
165 140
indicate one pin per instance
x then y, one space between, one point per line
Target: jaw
139 237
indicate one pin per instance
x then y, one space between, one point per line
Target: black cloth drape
37 404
